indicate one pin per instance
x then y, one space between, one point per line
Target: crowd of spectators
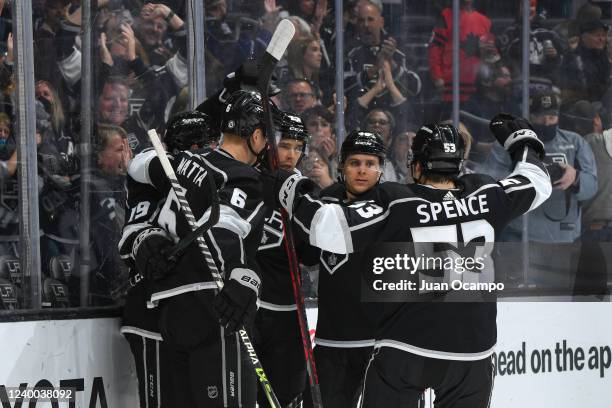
140 80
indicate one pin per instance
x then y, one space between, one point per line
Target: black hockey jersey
342 320
143 204
233 240
477 211
276 282
276 285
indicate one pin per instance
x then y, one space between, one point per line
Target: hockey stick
210 262
279 42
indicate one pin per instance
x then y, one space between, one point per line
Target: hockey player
437 345
277 336
141 247
345 335
207 361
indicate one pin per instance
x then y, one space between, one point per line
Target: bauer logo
213 392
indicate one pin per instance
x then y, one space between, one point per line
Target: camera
555 171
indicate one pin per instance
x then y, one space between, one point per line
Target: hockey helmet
291 126
439 149
243 113
359 142
187 129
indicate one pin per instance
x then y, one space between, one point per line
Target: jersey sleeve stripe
218 170
485 187
302 226
518 188
255 211
130 231
230 220
539 179
217 250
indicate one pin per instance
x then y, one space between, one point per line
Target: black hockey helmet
364 143
291 126
244 113
439 149
186 129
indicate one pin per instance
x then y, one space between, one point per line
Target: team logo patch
132 141
213 392
273 231
331 261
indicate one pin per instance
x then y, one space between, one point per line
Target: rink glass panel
82 209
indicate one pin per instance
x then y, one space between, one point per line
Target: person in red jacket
472 26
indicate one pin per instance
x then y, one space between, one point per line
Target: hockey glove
150 249
513 133
289 185
236 304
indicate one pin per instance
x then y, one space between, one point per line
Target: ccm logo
286 192
250 280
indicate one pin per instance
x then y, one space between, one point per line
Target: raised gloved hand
291 184
236 304
513 133
150 253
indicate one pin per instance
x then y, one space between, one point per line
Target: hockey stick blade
283 34
285 30
179 191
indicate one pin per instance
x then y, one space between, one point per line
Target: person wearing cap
585 73
571 165
582 117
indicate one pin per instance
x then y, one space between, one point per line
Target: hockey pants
207 366
396 379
